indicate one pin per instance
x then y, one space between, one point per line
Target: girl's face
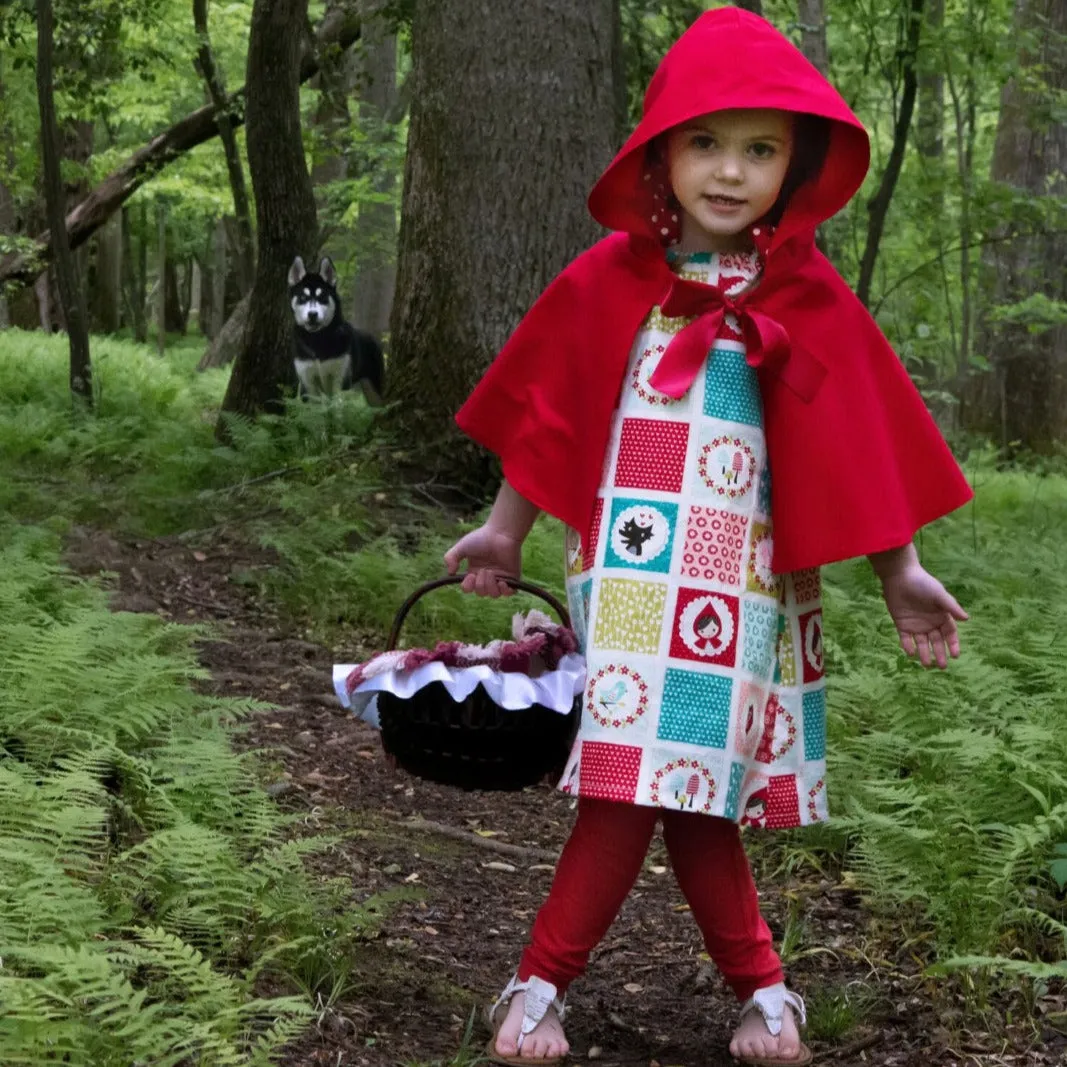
726 170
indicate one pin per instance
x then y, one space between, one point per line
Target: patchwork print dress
705 686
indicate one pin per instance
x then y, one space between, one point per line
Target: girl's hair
811 143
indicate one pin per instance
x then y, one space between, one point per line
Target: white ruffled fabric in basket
510 690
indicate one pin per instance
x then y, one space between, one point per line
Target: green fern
146 882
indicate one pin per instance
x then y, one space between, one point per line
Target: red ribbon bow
766 342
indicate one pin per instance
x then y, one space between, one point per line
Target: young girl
646 400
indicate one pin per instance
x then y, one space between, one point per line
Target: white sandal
771 1004
540 996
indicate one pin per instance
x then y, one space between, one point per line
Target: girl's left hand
925 614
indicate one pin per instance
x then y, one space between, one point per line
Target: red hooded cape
857 463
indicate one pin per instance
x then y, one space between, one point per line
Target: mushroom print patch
726 466
684 784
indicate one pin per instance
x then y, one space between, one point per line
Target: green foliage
952 786
147 883
149 454
1037 313
835 1011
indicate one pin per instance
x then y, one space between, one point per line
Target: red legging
599 866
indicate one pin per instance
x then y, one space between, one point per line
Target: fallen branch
542 855
339 30
846 1052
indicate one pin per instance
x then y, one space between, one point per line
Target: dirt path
648 999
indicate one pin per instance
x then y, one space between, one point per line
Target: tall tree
70 290
216 88
512 119
285 203
1025 338
192 130
878 209
811 17
375 231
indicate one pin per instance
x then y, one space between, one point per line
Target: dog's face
313 296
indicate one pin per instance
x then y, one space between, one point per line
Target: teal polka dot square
815 725
733 791
759 636
731 389
695 708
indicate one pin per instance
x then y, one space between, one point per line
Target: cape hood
857 463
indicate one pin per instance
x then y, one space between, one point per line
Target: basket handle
455 579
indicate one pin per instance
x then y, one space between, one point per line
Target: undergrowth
150 891
949 790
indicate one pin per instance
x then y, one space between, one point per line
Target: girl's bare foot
546 1041
753 1041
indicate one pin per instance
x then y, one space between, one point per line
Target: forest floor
448 946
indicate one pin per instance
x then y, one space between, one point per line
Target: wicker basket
474 743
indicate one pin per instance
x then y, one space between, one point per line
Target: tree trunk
228 341
8 219
161 276
335 81
70 292
107 302
285 205
812 19
878 208
176 303
220 267
930 123
8 227
1024 399
375 230
512 120
107 197
209 71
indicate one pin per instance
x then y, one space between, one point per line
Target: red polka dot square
705 627
807 585
783 803
609 771
652 455
714 546
592 535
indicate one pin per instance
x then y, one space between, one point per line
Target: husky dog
329 354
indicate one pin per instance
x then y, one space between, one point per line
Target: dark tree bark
176 301
1023 401
878 208
161 278
512 120
285 205
107 295
8 218
930 123
70 292
812 18
375 230
227 341
335 81
107 197
755 6
213 80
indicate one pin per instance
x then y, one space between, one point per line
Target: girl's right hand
490 555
